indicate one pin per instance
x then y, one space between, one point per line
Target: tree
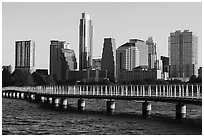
39 79
6 78
50 80
193 79
22 78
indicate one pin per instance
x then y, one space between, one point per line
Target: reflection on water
23 117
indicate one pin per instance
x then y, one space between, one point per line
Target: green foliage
22 78
6 78
39 79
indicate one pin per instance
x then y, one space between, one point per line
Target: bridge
58 95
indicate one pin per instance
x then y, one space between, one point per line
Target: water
23 117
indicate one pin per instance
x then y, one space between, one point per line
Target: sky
43 22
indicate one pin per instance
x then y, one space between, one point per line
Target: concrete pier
180 111
110 106
146 108
22 96
17 95
14 95
50 100
81 104
32 97
64 103
42 99
10 95
57 102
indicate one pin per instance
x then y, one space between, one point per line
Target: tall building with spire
183 54
85 42
108 61
152 54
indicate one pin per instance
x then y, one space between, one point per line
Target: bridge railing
174 91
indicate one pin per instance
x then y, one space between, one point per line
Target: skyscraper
85 42
183 54
108 62
62 59
152 54
143 48
25 55
127 57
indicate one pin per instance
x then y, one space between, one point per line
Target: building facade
183 54
152 53
61 59
96 63
138 75
85 42
127 58
165 67
108 61
143 49
25 55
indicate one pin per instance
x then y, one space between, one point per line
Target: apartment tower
25 55
183 54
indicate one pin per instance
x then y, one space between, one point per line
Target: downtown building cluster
135 60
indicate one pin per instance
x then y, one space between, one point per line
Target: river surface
24 117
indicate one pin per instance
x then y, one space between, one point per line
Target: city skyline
121 28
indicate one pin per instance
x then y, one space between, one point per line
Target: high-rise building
25 55
108 62
183 54
165 67
85 42
127 57
152 54
143 48
61 59
96 63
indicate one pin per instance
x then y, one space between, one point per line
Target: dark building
42 71
108 61
165 64
165 67
138 75
61 59
200 72
86 75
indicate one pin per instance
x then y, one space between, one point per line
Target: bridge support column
57 102
81 104
110 106
50 100
146 108
180 111
3 94
22 95
32 97
64 103
42 99
10 95
7 94
17 95
14 95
